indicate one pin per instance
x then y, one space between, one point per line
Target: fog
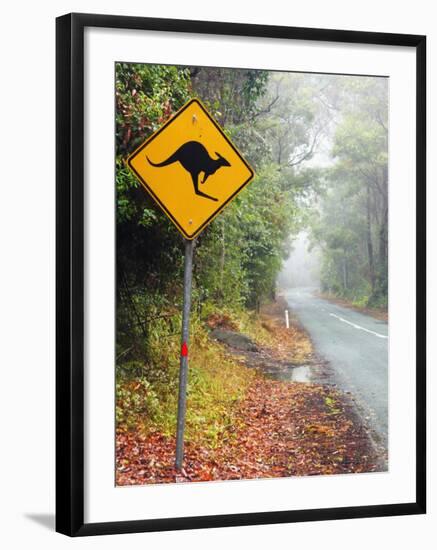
302 267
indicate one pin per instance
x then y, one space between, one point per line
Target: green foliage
236 258
269 217
350 221
296 119
135 401
363 301
239 255
147 392
149 251
232 97
146 95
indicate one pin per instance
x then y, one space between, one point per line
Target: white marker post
287 322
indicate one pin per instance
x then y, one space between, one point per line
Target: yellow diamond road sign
190 168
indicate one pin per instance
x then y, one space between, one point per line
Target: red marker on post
184 350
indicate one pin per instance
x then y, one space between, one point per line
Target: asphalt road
356 346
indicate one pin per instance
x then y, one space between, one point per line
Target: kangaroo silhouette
194 157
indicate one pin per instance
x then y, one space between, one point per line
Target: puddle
291 374
274 368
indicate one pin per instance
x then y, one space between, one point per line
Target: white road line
358 326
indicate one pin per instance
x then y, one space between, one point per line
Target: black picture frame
70 272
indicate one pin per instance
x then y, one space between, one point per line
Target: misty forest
319 147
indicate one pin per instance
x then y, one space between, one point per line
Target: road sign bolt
190 221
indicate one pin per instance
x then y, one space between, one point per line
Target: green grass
147 392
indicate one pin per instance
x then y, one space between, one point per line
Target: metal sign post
183 370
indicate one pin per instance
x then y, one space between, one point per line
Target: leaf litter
280 429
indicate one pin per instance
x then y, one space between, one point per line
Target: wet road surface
356 346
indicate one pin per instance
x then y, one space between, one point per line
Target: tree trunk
345 277
369 240
383 229
222 256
